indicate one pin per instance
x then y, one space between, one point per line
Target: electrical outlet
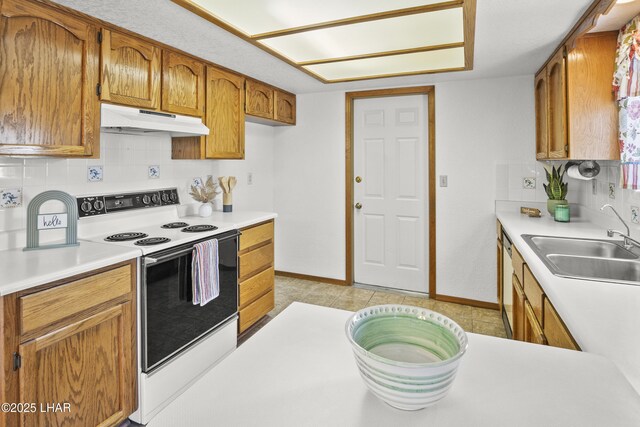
612 190
443 181
250 178
594 187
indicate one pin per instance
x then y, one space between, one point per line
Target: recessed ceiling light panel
414 63
403 32
337 40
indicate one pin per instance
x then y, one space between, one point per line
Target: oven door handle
151 260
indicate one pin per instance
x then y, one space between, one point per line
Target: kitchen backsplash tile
125 160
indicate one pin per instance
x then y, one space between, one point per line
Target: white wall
482 126
309 188
125 160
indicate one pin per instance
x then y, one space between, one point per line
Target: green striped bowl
407 356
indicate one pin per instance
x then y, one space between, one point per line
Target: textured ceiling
513 37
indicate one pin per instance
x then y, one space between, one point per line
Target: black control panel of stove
99 205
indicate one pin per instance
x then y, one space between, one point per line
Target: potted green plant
556 188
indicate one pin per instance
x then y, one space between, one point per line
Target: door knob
358 205
358 179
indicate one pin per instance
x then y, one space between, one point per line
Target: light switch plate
443 181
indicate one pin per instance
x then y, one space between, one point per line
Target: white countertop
299 370
604 318
233 220
22 270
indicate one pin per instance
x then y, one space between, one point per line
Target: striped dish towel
205 279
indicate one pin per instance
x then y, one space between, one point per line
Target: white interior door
390 201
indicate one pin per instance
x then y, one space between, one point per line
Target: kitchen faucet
629 242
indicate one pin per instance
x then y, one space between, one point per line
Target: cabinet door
532 330
259 100
557 334
48 76
542 109
182 84
556 79
130 72
90 364
285 107
499 274
224 115
518 310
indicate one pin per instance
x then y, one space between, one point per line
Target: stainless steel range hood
134 121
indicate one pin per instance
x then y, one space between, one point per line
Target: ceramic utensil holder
227 202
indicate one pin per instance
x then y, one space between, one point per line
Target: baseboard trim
314 278
465 301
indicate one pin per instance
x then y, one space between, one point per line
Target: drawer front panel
254 287
518 263
254 261
255 235
534 293
255 311
49 306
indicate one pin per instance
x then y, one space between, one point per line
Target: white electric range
178 341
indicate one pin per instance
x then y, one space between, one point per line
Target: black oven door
170 320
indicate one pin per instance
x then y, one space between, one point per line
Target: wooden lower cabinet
518 309
77 354
532 330
256 273
555 331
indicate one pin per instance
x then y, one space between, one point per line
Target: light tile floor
288 290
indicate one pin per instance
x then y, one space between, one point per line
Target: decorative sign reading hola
51 221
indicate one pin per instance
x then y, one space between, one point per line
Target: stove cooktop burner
199 228
152 241
123 237
175 225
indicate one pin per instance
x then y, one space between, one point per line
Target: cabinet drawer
555 331
534 294
256 286
255 235
255 311
518 263
254 261
52 305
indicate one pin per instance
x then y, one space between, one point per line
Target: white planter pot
205 210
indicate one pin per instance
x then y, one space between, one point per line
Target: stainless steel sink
588 259
607 269
582 247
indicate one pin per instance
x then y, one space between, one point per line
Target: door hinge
566 148
17 361
98 89
99 36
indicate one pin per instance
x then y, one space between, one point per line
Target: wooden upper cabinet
48 75
285 107
225 115
542 107
592 109
580 120
557 113
130 72
259 100
182 84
